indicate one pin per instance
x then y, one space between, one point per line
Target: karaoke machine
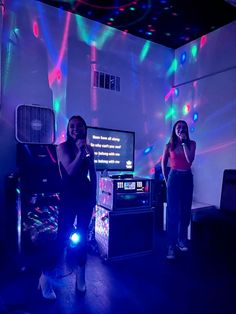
122 194
124 234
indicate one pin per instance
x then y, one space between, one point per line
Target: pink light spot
35 29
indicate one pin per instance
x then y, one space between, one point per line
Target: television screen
113 149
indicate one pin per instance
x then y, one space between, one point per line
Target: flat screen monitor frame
115 147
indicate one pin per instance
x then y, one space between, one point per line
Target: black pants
71 206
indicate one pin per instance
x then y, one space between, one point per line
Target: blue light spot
183 57
74 239
195 116
176 92
147 150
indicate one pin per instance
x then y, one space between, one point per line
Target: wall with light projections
205 96
74 65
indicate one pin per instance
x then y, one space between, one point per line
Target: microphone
87 153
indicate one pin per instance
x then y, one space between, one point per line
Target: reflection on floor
202 280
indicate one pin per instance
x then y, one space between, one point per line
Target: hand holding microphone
83 148
87 153
183 138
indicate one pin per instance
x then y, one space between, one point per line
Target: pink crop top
178 160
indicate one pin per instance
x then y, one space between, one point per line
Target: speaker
38 168
228 192
123 234
34 124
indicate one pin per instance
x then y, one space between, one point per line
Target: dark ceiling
171 23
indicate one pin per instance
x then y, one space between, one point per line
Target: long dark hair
68 137
174 139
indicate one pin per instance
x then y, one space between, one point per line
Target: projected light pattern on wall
56 69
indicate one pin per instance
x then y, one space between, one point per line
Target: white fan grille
35 124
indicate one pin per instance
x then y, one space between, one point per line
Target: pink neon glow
2 4
203 41
35 29
93 69
50 154
53 74
169 93
152 171
59 76
159 159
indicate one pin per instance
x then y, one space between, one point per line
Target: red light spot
59 75
203 41
35 29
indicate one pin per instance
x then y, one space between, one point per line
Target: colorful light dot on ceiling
132 9
111 19
167 34
183 57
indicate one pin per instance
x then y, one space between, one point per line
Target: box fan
34 124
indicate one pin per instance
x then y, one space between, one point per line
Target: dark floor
200 281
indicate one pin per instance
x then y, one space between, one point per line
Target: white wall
51 66
206 81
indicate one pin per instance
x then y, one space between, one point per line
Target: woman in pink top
180 152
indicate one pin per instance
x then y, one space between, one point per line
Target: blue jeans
179 202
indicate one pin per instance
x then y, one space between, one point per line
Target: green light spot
56 105
170 113
144 51
173 67
185 110
194 51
